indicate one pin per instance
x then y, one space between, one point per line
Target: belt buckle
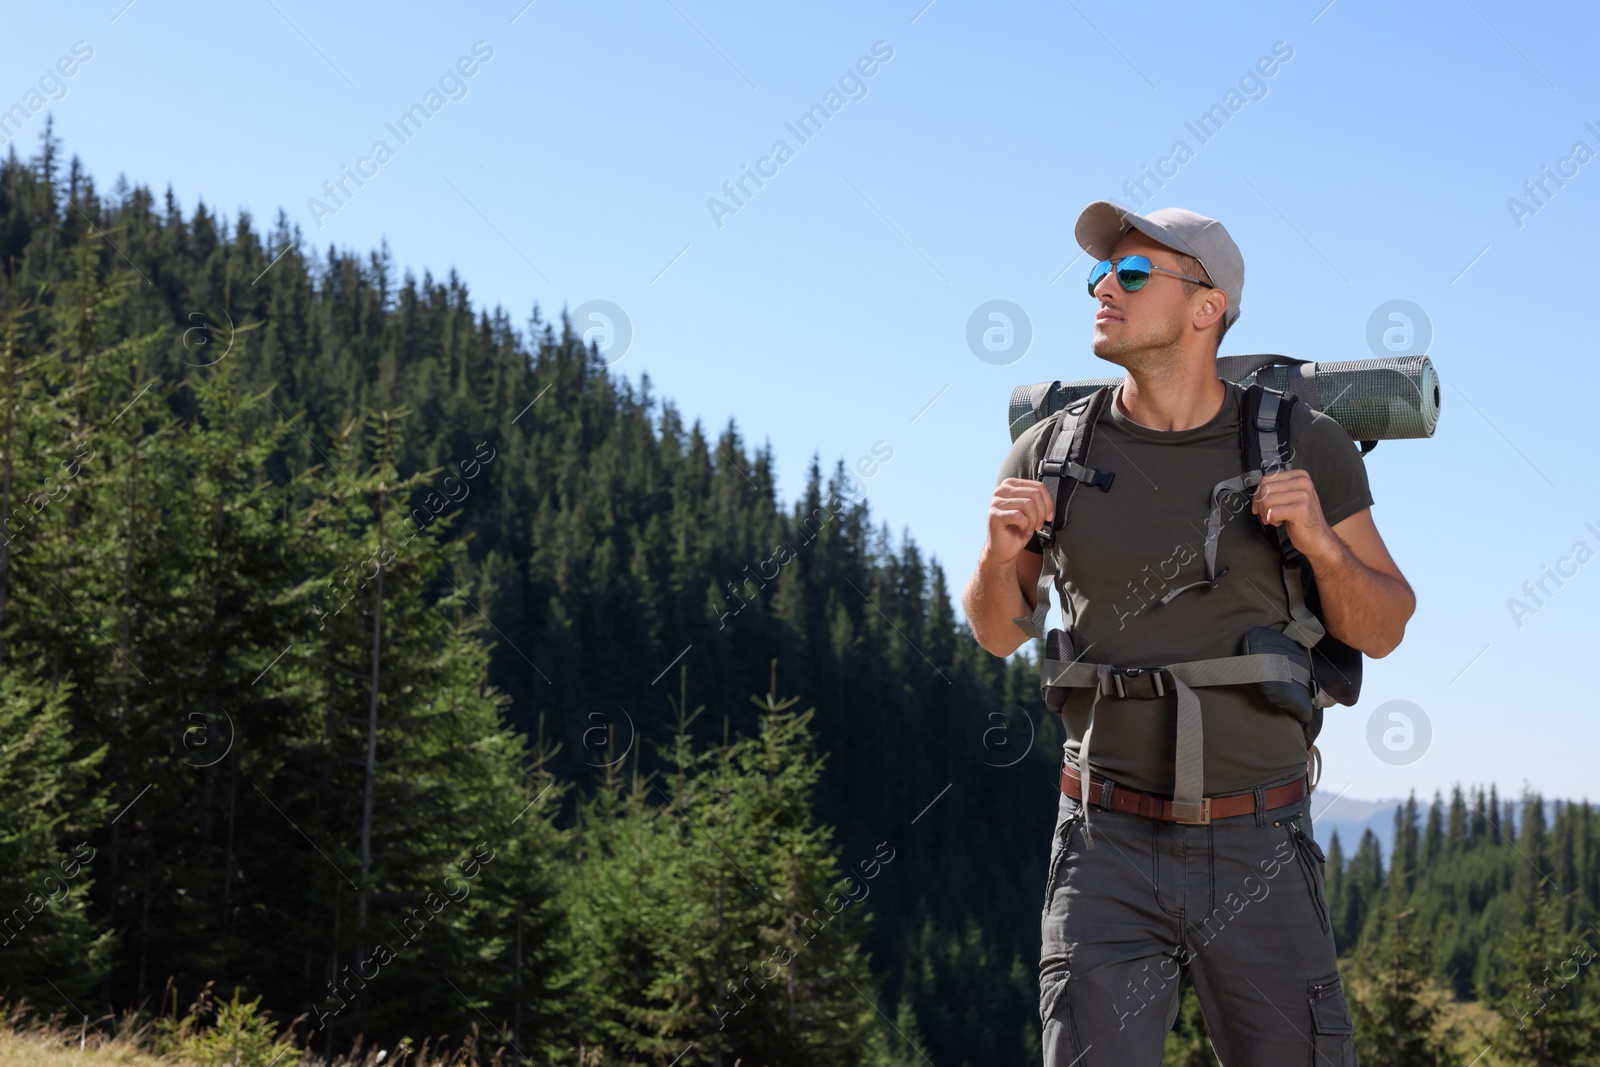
1205 815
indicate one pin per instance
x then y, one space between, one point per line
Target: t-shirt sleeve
1022 461
1334 462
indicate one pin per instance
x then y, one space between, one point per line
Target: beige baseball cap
1102 224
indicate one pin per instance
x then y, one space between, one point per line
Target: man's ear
1211 309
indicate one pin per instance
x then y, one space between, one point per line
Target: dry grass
62 1050
27 1040
141 1040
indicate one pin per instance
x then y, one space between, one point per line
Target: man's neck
1173 401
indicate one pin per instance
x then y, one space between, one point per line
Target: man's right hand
1002 587
1019 507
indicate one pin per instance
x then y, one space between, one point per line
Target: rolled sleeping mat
1389 399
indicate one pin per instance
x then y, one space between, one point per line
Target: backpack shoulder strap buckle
1056 468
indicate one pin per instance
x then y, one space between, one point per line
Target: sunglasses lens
1100 270
1133 272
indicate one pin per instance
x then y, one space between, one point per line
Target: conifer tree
1336 893
1478 819
1403 861
413 785
1360 889
1456 834
47 932
1396 1011
1548 985
1433 834
760 960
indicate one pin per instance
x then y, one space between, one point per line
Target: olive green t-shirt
1127 547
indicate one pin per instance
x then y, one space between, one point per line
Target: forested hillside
413 672
321 576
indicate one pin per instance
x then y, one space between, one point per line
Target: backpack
1300 667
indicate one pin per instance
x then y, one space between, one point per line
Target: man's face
1152 324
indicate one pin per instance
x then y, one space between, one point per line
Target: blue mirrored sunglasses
1133 272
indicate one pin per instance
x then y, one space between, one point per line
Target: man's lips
1107 316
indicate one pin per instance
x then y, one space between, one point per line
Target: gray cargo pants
1238 905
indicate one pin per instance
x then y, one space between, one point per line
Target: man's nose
1107 284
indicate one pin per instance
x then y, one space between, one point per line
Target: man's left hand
1289 497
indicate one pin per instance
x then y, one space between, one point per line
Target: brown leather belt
1152 806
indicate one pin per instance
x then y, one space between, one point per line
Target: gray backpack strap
1237 484
1303 625
1103 672
1061 471
1272 458
1266 451
1188 756
1068 456
1150 681
1238 368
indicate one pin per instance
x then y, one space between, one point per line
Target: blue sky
829 311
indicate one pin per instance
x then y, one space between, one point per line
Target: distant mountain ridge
1350 817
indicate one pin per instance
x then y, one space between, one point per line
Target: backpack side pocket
1291 697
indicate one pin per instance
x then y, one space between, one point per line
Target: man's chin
1106 350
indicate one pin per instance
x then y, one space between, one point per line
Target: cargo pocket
1312 865
1067 819
1052 984
1333 1040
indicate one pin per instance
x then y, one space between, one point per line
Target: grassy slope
39 1048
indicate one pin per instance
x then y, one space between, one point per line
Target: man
1234 904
